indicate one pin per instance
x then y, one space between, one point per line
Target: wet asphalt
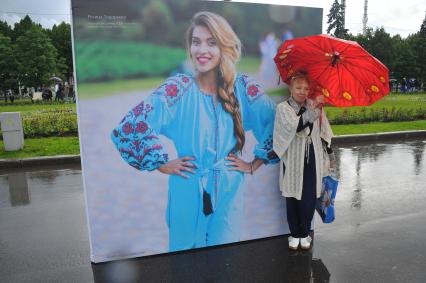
378 234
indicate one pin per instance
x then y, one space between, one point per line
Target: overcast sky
396 16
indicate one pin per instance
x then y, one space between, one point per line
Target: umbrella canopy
55 79
341 70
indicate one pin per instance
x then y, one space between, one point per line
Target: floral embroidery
171 90
141 127
272 155
127 128
252 90
267 151
136 140
157 146
141 152
142 109
174 88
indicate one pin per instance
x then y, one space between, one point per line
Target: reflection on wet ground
255 261
378 234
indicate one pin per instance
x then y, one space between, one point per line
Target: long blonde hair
230 49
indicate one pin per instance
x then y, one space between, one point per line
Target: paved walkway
378 235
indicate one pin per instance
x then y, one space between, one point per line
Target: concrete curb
379 137
337 141
39 161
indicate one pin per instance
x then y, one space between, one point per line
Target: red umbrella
341 70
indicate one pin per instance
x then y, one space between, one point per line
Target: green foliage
60 37
395 107
8 70
394 114
423 28
28 57
336 20
417 46
403 57
49 122
114 60
5 29
43 123
36 57
22 27
166 21
157 16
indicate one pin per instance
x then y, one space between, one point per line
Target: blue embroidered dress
179 110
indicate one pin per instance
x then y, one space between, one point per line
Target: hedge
378 115
98 61
63 122
47 123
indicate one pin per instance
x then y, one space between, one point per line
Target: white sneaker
293 243
305 243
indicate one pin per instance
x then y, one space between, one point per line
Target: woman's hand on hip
239 164
178 167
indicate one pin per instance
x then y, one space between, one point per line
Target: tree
5 29
36 57
336 20
421 49
22 27
61 39
423 28
7 64
157 16
381 45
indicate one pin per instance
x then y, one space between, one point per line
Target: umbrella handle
320 122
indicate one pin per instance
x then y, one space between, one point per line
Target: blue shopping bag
325 204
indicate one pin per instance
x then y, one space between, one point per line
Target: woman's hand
319 101
242 166
239 164
178 166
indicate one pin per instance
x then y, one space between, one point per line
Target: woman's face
299 90
205 52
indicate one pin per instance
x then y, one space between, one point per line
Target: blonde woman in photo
206 116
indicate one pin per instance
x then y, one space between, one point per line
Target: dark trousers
301 212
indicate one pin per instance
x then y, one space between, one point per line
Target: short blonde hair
300 75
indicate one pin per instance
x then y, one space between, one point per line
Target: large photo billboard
176 104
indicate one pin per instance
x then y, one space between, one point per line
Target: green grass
378 127
43 147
